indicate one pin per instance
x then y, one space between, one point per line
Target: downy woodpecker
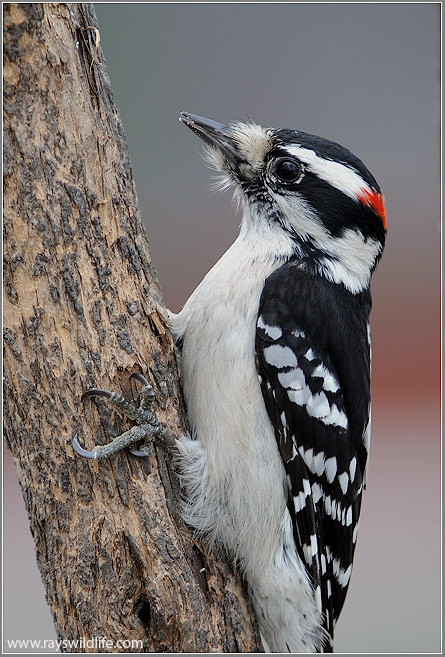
275 369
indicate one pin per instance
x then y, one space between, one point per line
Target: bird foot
147 428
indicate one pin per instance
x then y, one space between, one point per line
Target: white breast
239 495
231 470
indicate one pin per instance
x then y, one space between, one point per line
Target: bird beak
214 134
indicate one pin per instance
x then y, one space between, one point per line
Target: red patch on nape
375 201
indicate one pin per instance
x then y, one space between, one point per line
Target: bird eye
288 171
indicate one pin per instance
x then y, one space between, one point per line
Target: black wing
313 358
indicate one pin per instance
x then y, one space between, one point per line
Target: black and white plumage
275 368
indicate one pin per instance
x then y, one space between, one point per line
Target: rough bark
82 307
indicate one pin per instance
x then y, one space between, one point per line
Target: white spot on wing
307 553
352 468
300 499
318 406
299 502
330 383
330 469
317 493
342 576
367 441
308 457
314 545
306 487
280 357
367 436
354 533
328 588
343 480
337 514
274 332
309 355
336 418
299 397
319 460
293 379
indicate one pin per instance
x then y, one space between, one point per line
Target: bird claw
96 392
85 453
147 428
145 450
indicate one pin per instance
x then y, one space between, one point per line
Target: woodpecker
275 370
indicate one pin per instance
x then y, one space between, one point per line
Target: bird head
310 193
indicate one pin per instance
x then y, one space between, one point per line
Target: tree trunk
83 307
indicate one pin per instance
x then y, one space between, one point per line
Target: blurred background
367 76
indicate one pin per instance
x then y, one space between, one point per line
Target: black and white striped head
315 197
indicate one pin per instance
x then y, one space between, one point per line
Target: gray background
367 76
